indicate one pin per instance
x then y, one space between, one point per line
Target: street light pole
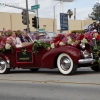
54 17
28 30
36 12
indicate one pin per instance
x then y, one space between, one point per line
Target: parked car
51 34
66 58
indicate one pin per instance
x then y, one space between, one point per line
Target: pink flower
1 47
79 36
88 36
65 39
91 43
3 41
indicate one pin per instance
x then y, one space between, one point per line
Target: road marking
51 81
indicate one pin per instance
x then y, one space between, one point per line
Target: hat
41 34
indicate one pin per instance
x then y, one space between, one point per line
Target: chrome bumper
86 61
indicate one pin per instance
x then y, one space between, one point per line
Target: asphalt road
50 85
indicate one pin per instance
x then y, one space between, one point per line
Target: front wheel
66 65
3 67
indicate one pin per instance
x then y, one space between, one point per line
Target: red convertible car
66 58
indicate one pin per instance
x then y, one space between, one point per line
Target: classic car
66 58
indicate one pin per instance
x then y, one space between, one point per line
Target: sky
83 7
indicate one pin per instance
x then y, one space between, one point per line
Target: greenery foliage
70 13
78 31
38 44
95 15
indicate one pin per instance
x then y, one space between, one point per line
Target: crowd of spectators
94 27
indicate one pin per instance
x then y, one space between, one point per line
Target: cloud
96 1
83 13
46 8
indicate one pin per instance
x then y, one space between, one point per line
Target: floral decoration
6 44
38 44
75 39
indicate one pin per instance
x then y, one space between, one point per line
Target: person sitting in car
15 39
24 37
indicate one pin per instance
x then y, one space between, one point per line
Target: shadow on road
52 72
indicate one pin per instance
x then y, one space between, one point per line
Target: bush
78 31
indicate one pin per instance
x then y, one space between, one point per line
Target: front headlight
82 45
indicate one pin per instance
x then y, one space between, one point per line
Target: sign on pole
63 21
35 7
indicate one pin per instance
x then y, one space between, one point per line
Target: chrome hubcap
65 63
2 65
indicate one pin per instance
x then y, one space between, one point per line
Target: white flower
69 40
62 44
84 41
35 40
7 46
52 45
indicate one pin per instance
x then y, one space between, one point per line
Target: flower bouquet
6 44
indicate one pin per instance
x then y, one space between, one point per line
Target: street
50 85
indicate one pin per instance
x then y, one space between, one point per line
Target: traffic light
35 20
24 17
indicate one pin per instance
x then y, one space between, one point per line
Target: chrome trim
94 42
8 63
65 63
82 45
87 60
85 54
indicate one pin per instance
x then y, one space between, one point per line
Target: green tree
70 13
95 15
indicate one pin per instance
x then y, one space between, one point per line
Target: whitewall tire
3 67
65 64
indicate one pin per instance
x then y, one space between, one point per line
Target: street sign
41 29
35 7
63 21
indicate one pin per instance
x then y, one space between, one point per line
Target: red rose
98 37
58 38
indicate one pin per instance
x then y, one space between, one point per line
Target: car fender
50 57
6 59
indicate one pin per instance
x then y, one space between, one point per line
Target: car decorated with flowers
67 52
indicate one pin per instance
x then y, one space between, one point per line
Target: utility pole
19 8
36 12
28 29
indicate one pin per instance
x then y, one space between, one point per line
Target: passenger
16 40
24 37
3 33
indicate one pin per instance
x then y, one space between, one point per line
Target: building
13 21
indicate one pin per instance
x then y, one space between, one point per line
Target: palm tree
70 13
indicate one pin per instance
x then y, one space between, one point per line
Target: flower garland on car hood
37 44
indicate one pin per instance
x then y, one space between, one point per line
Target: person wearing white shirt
16 40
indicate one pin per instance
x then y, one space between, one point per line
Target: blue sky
83 7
